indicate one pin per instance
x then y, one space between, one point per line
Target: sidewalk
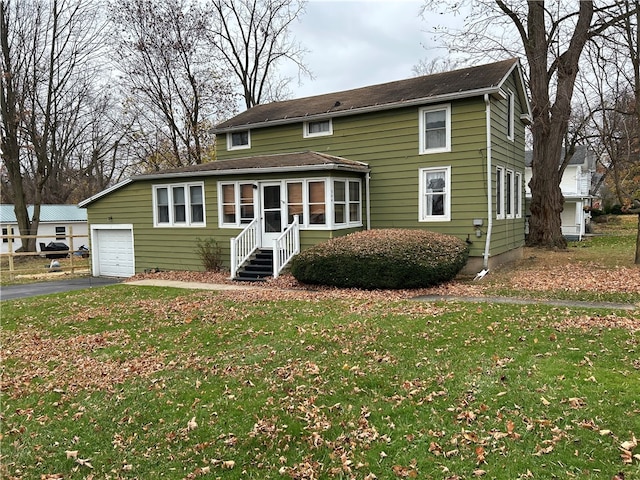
424 298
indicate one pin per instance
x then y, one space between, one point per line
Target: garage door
113 252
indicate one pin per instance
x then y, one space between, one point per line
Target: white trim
518 193
188 223
231 146
422 150
423 216
307 134
329 223
500 193
511 115
95 251
509 182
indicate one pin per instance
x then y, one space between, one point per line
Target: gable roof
48 213
281 162
582 156
444 86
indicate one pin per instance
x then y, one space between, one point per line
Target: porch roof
256 165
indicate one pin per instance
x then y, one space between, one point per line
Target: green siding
388 141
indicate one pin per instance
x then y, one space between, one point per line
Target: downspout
487 244
367 185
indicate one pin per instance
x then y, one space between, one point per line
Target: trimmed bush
385 258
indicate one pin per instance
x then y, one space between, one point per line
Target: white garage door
113 252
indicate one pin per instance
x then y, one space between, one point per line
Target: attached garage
112 250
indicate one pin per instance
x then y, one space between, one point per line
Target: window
355 206
317 204
61 233
499 192
238 140
237 203
435 194
295 202
510 114
509 194
518 195
318 128
179 205
435 129
339 202
5 232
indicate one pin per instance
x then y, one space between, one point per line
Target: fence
74 264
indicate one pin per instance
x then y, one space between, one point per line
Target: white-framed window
509 194
435 194
320 203
5 231
518 195
435 129
500 192
239 140
510 115
317 128
236 202
179 205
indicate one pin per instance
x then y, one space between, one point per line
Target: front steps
259 266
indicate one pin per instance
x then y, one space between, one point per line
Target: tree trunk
637 260
547 202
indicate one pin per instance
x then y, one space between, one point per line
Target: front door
271 212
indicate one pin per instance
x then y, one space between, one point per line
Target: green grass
104 383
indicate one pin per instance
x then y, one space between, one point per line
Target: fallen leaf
192 424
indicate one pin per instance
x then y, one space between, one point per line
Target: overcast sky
355 43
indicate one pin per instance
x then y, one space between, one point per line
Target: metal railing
286 246
243 246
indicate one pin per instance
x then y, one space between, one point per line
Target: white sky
355 43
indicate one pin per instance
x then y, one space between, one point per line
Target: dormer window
238 140
317 128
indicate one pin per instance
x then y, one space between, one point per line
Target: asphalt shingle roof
472 79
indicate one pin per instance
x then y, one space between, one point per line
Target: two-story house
577 186
443 152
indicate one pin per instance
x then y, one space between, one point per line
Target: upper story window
179 205
318 128
435 194
510 115
435 129
238 140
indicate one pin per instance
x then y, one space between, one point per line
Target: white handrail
243 246
286 246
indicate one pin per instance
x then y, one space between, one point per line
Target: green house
443 152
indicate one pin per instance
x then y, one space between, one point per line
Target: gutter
487 244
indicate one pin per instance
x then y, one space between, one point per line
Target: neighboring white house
577 189
56 223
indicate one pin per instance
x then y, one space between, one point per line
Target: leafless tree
552 37
48 53
254 39
175 89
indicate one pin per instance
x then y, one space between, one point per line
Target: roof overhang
372 108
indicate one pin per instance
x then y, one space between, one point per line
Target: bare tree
253 38
552 37
48 52
176 90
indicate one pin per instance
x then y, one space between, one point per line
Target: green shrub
210 254
385 258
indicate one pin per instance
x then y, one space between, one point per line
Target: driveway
12 292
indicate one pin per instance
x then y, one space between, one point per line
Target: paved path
59 286
12 292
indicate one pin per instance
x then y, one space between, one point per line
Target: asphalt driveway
12 292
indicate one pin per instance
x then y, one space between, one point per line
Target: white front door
272 212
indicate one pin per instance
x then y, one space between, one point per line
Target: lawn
127 382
